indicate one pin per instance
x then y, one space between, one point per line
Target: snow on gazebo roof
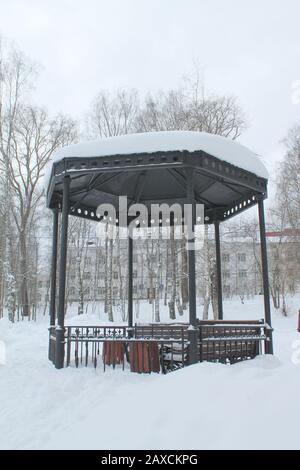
150 142
151 167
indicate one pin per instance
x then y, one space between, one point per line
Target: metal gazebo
161 167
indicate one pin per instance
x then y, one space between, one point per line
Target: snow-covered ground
254 404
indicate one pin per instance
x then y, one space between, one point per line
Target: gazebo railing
232 341
144 347
161 347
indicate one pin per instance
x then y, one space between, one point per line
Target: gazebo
153 168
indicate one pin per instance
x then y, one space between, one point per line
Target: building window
241 257
86 276
226 290
225 257
226 274
116 276
242 274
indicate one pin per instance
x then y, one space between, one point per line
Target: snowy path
249 405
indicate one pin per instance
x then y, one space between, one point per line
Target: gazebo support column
192 331
219 270
265 276
60 328
51 353
130 283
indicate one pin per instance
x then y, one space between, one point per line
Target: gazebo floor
162 347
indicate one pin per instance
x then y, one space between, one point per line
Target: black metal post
60 328
192 332
53 284
219 270
53 268
265 275
130 282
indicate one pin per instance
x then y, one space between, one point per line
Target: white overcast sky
247 48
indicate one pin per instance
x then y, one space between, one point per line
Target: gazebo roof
150 168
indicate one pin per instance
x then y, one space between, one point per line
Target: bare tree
79 233
16 76
210 282
285 258
32 141
113 114
121 284
190 107
184 275
175 279
109 252
287 208
157 276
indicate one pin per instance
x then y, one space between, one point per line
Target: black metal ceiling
223 188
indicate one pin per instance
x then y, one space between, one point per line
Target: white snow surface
251 405
149 142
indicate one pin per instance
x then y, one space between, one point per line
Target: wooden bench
144 356
113 353
174 352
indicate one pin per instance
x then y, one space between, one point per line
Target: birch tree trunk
167 272
106 287
173 276
24 274
177 281
214 291
110 277
120 279
206 269
157 279
184 277
11 296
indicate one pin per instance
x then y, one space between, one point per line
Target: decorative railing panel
232 341
140 349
